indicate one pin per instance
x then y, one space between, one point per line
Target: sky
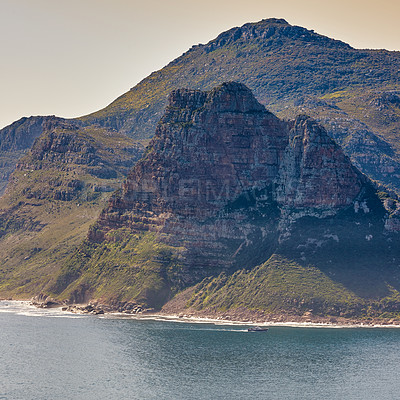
72 57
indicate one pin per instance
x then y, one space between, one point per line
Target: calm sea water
49 355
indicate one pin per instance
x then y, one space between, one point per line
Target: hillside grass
282 285
50 204
125 267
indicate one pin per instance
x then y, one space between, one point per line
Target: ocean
50 355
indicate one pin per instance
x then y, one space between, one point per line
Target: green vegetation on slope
281 285
125 267
280 63
277 285
57 191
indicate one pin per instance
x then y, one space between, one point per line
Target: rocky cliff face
92 148
19 137
225 185
314 172
21 134
214 149
365 125
66 149
212 152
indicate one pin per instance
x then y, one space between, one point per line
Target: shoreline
217 321
214 318
281 320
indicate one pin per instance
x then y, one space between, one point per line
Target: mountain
231 208
353 93
58 188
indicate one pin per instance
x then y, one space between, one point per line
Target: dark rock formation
21 134
67 146
314 172
19 137
43 301
277 29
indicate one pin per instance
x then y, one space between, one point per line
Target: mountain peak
229 97
214 150
273 29
234 97
283 65
226 127
275 21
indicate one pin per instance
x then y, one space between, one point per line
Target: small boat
257 329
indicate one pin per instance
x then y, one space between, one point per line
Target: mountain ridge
18 138
290 69
283 65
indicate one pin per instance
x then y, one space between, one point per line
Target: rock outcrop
21 134
18 138
216 153
314 172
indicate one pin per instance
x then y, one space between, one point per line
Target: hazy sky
72 57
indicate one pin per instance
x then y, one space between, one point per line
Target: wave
26 309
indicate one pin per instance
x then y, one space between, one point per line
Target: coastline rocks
98 309
83 309
44 301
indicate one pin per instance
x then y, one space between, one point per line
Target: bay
48 354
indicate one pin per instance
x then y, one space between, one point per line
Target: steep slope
366 125
285 66
18 138
54 194
227 190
